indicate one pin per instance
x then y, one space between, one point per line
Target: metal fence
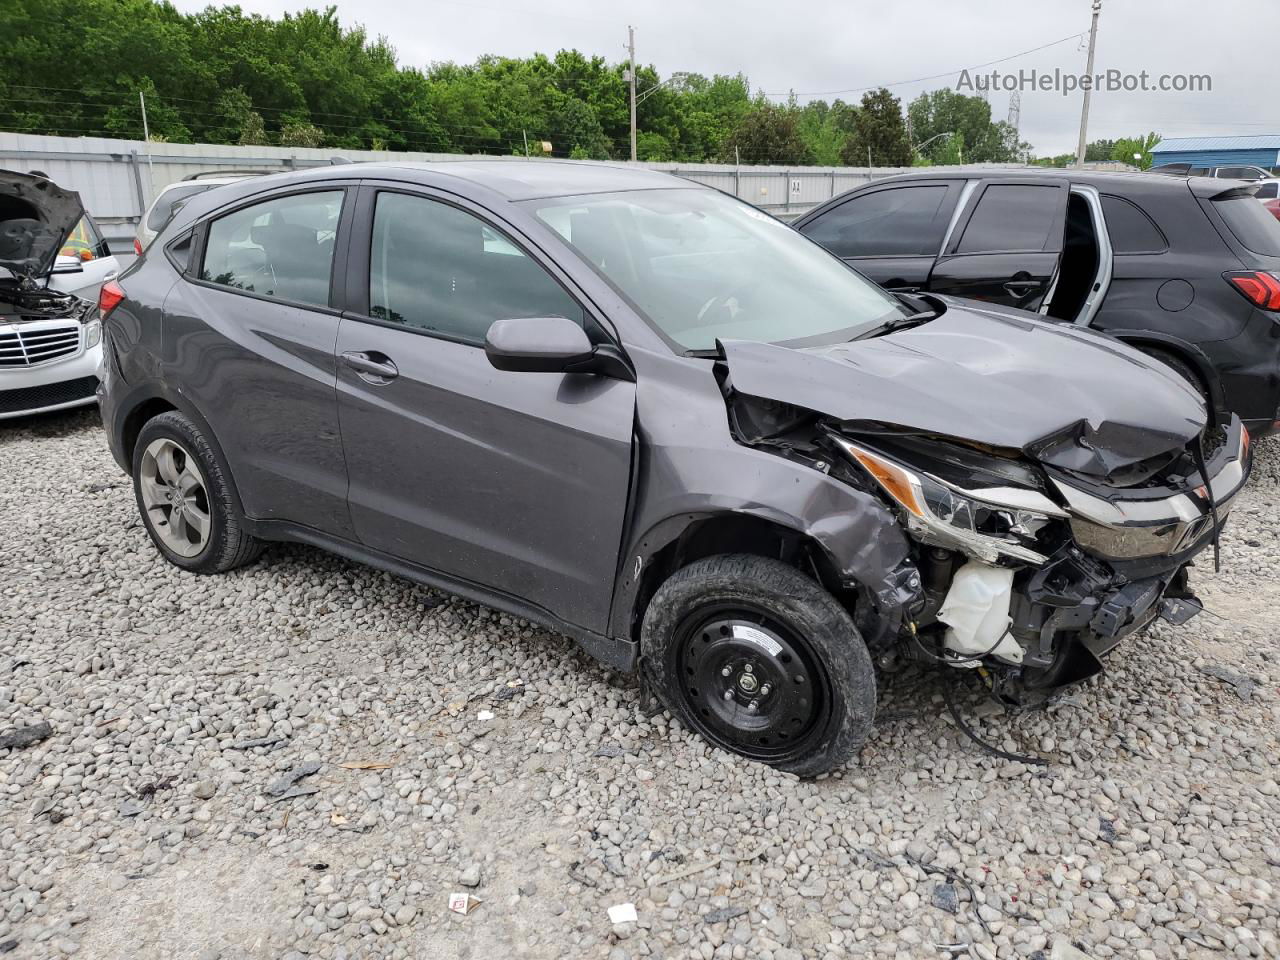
117 179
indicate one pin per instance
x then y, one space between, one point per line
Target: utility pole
1084 113
631 50
146 136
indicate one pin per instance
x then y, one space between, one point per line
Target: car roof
511 179
1098 177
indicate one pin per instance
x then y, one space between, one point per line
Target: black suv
1185 269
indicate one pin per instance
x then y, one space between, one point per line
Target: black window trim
200 231
360 253
1103 198
949 200
1056 229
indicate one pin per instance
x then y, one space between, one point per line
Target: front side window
701 266
437 268
1012 218
901 222
281 247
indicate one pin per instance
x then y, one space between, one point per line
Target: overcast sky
841 45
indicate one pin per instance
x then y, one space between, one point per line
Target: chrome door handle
372 366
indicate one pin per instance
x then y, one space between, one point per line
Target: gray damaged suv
653 418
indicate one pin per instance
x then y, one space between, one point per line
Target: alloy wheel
751 683
175 497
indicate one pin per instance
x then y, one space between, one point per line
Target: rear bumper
53 386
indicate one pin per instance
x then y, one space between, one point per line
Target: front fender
859 536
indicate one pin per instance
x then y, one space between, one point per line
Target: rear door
517 482
1007 243
890 234
250 336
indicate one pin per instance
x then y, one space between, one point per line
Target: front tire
185 499
760 660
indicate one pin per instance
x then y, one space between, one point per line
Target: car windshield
702 266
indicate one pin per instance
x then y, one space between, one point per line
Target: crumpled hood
1067 396
36 217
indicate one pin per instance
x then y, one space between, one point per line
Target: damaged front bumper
1122 564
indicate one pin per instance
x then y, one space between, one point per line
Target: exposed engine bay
1027 564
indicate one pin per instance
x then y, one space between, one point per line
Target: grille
26 346
48 395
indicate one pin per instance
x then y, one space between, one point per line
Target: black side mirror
550 345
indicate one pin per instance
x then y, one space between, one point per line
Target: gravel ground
458 749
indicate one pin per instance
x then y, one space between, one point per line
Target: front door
890 234
514 481
1006 246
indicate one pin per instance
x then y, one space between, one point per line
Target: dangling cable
1198 451
968 732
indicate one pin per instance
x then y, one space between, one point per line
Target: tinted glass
1199 172
1237 173
1013 218
279 248
163 209
699 265
905 221
1130 229
1268 190
438 268
1253 226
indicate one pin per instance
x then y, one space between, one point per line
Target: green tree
767 133
879 132
1125 149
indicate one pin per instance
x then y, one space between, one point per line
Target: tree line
225 76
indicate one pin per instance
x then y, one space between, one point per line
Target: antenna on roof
335 161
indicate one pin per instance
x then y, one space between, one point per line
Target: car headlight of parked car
986 524
92 334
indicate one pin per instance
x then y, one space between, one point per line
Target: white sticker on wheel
758 637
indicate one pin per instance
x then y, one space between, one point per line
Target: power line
935 76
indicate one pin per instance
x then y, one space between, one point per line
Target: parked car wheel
760 660
185 499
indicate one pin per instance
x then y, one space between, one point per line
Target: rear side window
901 222
1253 226
281 247
440 269
163 208
1012 218
1268 191
1130 229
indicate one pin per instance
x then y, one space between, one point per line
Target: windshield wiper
900 323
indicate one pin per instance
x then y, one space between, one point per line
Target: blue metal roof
1180 144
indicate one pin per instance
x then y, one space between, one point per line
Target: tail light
137 246
109 297
1260 288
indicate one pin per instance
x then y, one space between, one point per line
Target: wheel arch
145 403
677 541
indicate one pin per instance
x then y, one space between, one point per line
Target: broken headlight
985 524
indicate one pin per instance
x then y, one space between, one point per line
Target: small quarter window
1130 229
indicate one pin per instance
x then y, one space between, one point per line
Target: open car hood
36 217
1065 396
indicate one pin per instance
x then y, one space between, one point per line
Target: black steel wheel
761 661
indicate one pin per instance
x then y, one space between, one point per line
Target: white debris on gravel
142 827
